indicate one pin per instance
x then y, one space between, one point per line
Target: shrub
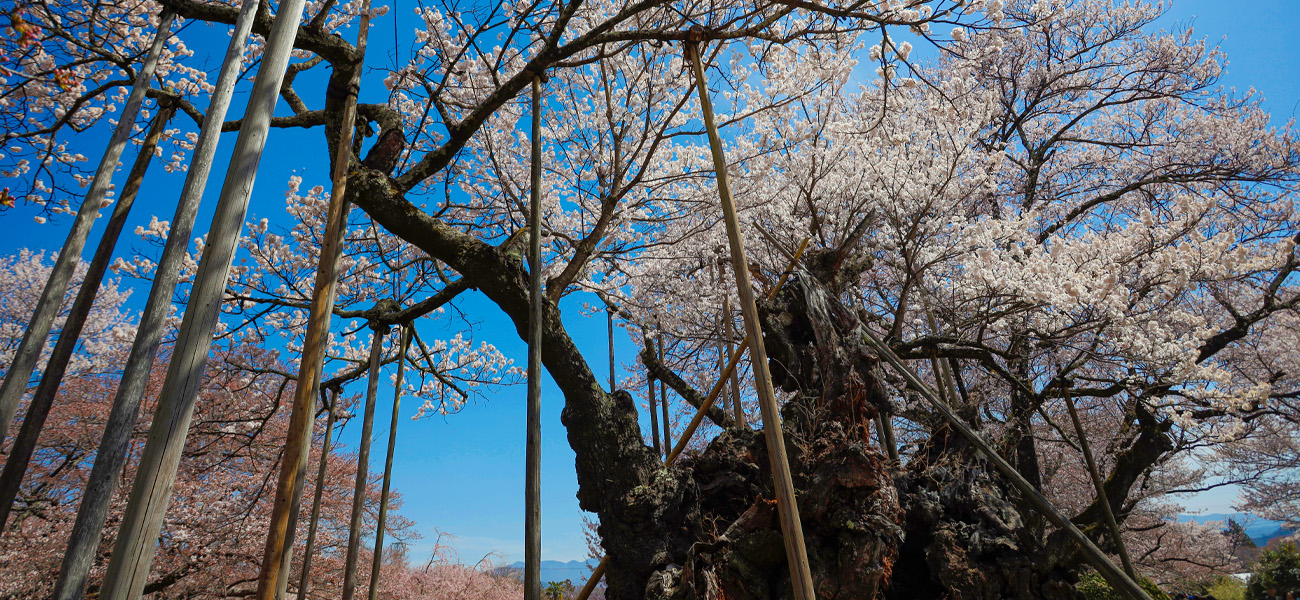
1095 587
1278 568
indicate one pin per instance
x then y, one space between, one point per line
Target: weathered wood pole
304 577
1100 486
137 538
733 365
19 372
791 528
20 454
737 406
663 399
363 463
533 439
1098 559
388 462
102 483
302 417
609 322
650 394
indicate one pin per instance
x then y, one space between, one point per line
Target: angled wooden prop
304 576
293 469
19 372
20 454
1097 484
663 400
363 462
1113 574
727 372
650 395
791 528
111 455
378 554
128 569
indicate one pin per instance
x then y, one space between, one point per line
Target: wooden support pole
650 395
733 365
363 463
1113 575
302 417
388 462
533 441
714 392
737 406
791 528
609 322
19 372
304 575
20 454
88 528
663 399
128 569
1097 483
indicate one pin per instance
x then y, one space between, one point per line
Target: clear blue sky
463 474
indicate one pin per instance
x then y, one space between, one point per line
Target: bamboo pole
1101 488
304 576
792 529
1113 575
388 463
663 399
363 463
19 372
20 454
293 470
137 538
111 455
714 392
533 441
650 394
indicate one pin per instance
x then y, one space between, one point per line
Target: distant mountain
1259 530
575 571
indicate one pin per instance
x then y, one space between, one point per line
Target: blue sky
463 474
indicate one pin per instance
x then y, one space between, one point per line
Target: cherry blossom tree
1063 201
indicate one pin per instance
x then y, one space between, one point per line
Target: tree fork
19 373
388 463
533 437
363 463
88 528
137 539
302 417
20 454
791 528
